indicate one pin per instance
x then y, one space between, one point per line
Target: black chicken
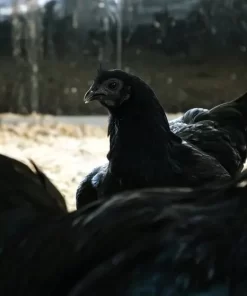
202 146
155 242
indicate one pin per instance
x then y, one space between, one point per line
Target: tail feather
54 193
235 109
220 132
241 101
20 186
27 198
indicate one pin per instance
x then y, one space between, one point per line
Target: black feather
21 186
51 189
24 196
220 132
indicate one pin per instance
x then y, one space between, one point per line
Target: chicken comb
101 68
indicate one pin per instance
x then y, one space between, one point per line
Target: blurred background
192 52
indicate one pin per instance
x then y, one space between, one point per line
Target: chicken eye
112 85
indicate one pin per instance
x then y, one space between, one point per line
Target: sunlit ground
66 153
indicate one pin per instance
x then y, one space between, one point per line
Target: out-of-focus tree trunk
75 16
40 30
17 30
33 30
49 19
119 35
108 44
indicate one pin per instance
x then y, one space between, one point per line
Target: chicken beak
93 96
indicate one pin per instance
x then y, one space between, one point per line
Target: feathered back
169 243
20 186
27 198
151 242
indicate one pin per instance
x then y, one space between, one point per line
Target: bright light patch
7 10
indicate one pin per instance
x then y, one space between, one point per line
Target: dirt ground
64 152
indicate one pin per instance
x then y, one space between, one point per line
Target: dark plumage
220 132
25 195
171 243
145 152
23 187
155 242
